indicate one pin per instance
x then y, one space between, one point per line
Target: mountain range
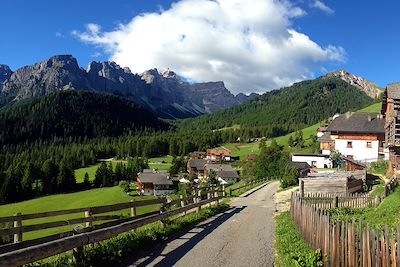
165 94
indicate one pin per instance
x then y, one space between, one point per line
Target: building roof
197 154
155 177
300 165
219 152
219 167
223 170
358 123
311 155
325 138
393 91
227 174
197 163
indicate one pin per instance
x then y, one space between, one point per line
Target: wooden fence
330 201
247 185
390 186
345 243
23 252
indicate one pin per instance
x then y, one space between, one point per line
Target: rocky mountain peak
5 73
169 74
371 89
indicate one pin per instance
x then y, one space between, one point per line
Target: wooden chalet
390 110
218 155
157 183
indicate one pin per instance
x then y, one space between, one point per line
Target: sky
251 45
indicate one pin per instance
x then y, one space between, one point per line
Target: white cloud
322 6
59 35
251 47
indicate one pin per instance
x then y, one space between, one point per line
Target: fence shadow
170 258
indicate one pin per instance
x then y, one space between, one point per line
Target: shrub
125 186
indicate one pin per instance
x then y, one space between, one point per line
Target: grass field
160 163
154 163
89 198
373 108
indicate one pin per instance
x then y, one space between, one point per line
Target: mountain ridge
165 94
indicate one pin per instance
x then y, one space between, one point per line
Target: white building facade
315 161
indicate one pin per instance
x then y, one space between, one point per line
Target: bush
125 186
312 259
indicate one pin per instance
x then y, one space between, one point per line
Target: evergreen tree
86 181
49 179
66 181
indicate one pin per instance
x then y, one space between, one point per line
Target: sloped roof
227 174
300 165
219 152
197 163
325 138
358 123
219 167
155 177
393 90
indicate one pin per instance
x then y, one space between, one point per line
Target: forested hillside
292 108
73 114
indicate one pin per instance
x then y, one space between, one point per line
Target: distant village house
218 155
157 183
226 174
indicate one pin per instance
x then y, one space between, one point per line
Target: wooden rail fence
22 252
345 243
248 184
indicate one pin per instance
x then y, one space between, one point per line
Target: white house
358 136
316 161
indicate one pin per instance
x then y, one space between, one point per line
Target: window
313 164
349 144
369 144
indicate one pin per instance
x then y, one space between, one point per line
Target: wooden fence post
133 209
88 214
377 201
223 190
301 188
336 202
18 223
78 252
198 200
194 196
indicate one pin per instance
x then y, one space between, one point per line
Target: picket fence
345 243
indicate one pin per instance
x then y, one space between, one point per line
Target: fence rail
345 243
18 224
248 184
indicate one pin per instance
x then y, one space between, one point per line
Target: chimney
348 115
369 118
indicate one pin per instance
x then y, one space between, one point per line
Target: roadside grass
88 198
387 213
379 189
114 251
291 250
373 108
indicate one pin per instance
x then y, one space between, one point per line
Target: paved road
242 236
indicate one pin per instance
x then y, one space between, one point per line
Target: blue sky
367 32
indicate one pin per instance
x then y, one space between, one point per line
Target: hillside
282 111
72 114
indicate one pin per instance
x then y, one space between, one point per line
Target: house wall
325 185
320 162
161 192
359 149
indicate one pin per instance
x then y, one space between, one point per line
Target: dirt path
241 236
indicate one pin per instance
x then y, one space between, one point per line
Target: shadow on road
173 256
261 187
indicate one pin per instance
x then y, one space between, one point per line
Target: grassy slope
89 198
373 108
387 213
243 150
288 241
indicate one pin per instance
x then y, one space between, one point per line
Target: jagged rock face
5 74
163 93
56 73
366 86
243 98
